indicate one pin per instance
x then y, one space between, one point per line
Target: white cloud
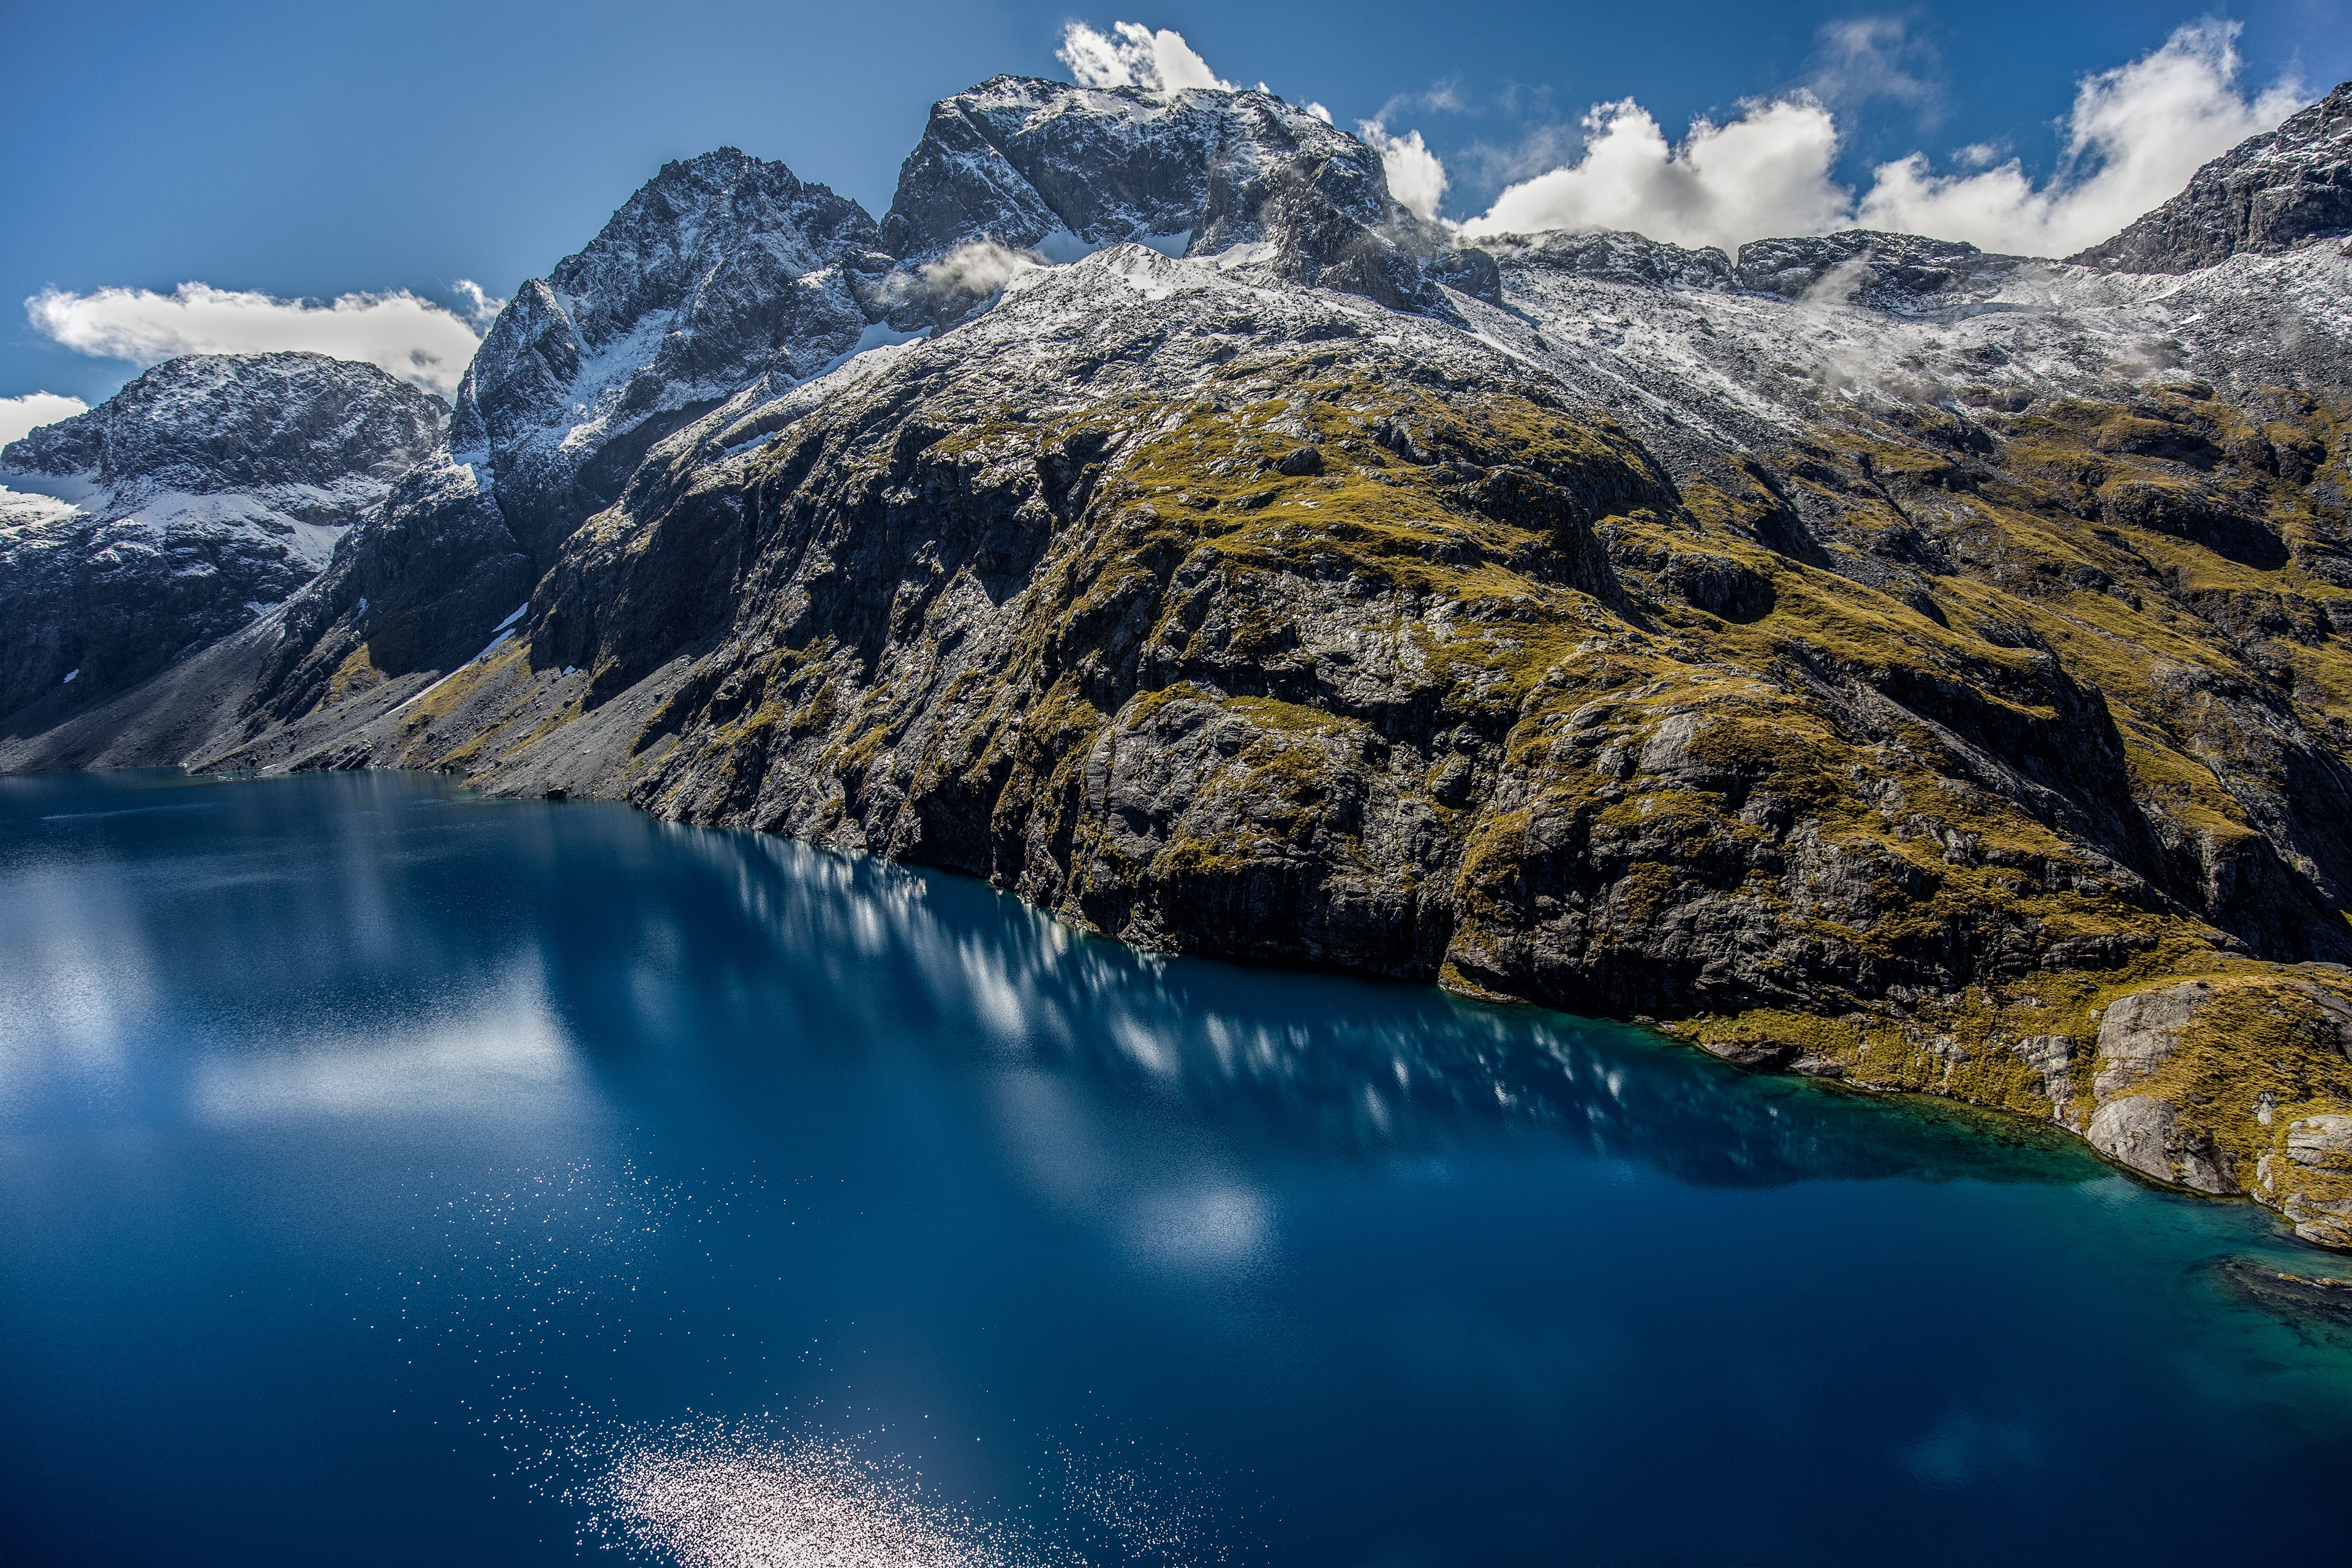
1416 178
1766 172
1132 55
404 333
2135 136
1865 58
35 409
972 270
481 307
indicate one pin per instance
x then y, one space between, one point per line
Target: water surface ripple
398 1176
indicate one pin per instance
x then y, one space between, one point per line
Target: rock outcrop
2265 196
1059 170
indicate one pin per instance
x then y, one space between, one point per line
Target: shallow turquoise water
396 1177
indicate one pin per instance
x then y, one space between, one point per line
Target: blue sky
313 151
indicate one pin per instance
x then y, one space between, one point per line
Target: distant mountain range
1869 657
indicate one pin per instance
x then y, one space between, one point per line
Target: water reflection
668 939
750 1202
1323 1063
503 1048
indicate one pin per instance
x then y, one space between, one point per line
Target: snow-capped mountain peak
1060 170
719 269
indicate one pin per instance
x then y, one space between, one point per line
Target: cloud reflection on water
501 1054
735 937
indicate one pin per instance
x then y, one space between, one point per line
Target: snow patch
880 335
1062 247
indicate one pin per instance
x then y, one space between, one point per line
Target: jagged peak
1037 164
207 423
2268 194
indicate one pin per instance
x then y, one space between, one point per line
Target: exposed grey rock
2145 1134
2324 1222
2269 193
2320 1141
207 489
719 269
2052 1055
1900 273
1616 257
2138 1033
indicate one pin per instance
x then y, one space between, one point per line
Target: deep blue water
392 1176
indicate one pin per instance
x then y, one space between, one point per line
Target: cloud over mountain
402 334
1416 178
1132 55
35 409
2134 136
1766 172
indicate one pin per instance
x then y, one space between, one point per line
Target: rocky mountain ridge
1877 658
719 271
2264 197
207 490
1059 170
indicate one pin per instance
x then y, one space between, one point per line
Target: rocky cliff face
1061 170
1877 658
205 491
2264 197
719 271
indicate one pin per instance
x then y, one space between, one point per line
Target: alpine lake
395 1175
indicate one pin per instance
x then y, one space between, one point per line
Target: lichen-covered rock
2145 1133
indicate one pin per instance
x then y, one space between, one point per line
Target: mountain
2267 195
1876 658
719 271
206 491
1062 171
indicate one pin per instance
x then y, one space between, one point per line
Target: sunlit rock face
2268 195
1879 658
719 271
1061 170
191 502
